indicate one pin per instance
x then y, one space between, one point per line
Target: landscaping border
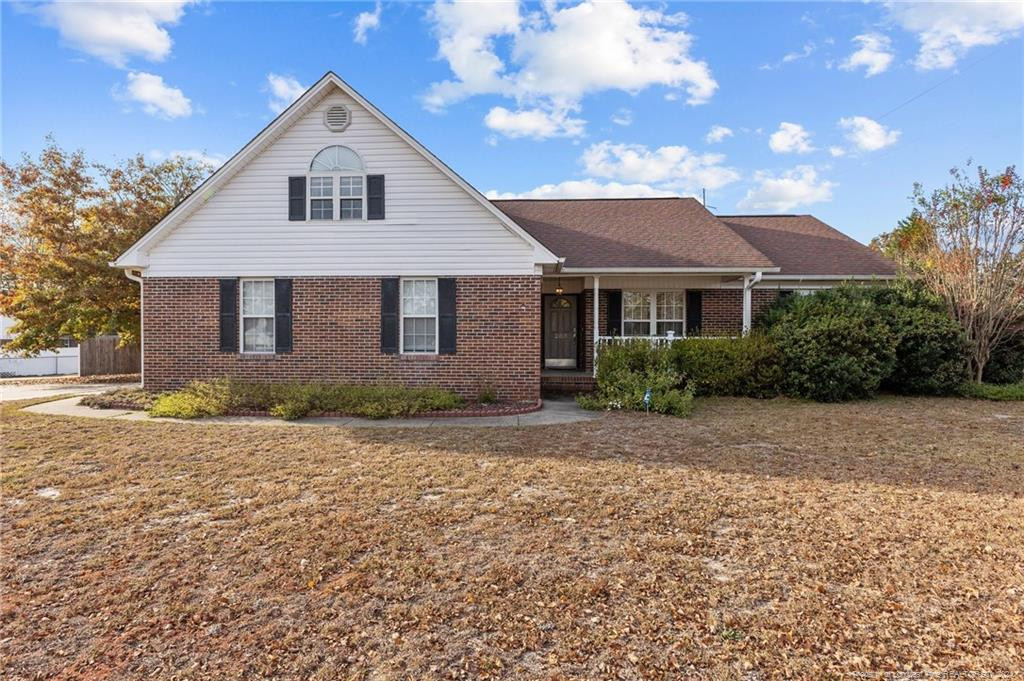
472 410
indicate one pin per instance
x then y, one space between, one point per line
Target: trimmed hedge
1009 392
627 369
740 367
296 400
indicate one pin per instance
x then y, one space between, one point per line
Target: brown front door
560 332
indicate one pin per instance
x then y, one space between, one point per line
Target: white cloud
807 50
717 133
672 166
534 123
366 22
836 152
213 161
115 31
584 189
781 193
790 138
866 134
156 97
553 59
874 54
948 30
283 91
623 117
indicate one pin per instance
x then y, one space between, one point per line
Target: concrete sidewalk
10 392
555 411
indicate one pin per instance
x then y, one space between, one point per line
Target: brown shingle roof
803 244
640 233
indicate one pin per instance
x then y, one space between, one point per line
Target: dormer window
337 166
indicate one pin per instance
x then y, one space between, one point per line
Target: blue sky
834 109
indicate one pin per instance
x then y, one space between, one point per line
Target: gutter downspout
749 282
142 348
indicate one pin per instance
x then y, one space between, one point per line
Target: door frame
579 330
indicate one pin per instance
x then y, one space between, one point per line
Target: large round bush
834 347
930 351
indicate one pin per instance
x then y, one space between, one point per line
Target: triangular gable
134 257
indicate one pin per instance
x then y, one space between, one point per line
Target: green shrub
627 369
195 400
742 367
295 400
834 346
1009 392
1006 363
930 352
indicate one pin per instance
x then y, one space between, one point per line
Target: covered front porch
581 312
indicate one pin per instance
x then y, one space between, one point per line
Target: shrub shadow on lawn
942 443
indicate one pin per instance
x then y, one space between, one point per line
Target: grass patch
1009 392
756 539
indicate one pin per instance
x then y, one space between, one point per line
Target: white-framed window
321 198
636 313
257 311
670 313
653 313
350 189
337 165
419 316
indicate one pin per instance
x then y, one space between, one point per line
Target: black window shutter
374 197
446 319
614 313
282 315
694 302
297 198
389 301
229 315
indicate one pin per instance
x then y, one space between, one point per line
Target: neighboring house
335 247
63 360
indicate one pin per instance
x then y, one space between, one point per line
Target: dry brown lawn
753 540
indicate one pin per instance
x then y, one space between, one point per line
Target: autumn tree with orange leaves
63 220
966 242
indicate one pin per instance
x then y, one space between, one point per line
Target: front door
560 332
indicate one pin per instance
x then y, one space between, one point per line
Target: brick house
335 247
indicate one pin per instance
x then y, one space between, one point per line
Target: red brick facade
336 336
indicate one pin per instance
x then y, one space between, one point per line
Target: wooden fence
101 355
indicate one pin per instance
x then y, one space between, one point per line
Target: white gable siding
432 225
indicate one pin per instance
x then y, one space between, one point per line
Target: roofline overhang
666 270
829 277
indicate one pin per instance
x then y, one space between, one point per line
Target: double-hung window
648 313
670 310
321 198
419 316
351 192
337 165
636 313
257 315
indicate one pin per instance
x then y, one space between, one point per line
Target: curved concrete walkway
555 411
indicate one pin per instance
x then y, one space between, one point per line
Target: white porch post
749 282
597 291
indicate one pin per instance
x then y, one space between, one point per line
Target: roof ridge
609 198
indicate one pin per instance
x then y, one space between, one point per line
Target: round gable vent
337 118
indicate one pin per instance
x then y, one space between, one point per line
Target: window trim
242 317
336 197
652 313
401 318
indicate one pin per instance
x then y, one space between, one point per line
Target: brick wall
336 328
588 324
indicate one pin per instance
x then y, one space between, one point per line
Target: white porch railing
653 340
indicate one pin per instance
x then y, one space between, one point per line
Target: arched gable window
337 166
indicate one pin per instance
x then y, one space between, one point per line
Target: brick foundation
336 329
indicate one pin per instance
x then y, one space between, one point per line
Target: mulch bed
72 380
474 409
